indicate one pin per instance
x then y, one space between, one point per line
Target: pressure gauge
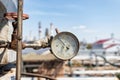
65 45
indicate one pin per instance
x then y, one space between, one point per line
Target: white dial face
65 46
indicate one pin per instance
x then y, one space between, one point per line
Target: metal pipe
7 45
19 40
38 75
32 45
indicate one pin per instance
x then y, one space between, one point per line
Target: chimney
39 30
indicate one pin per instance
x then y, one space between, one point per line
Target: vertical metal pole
19 42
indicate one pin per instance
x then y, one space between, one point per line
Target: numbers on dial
65 45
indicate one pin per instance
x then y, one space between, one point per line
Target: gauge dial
65 45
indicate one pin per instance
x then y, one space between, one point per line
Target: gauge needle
63 43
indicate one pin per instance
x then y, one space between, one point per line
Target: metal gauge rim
69 34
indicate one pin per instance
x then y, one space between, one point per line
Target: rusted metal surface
16 41
53 68
14 16
57 31
38 75
19 40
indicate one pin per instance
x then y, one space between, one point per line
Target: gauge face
65 45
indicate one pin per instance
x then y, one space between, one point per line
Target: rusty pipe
19 40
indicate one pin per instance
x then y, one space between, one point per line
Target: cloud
90 31
83 29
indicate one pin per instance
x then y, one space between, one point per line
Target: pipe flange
14 16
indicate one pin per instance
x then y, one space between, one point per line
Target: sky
89 20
